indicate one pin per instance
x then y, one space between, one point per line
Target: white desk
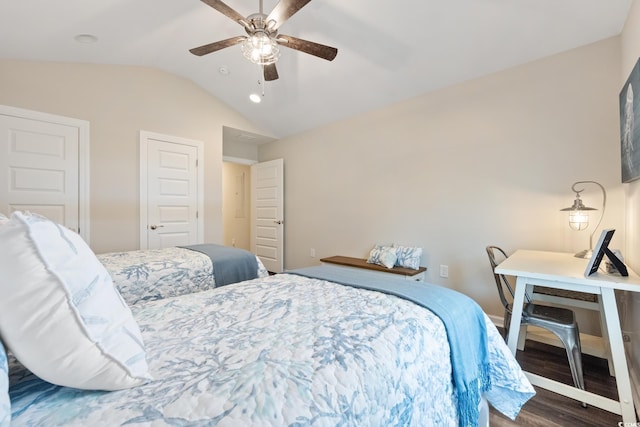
564 271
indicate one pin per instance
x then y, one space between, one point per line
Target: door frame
199 145
84 223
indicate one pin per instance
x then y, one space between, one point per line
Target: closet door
171 191
41 163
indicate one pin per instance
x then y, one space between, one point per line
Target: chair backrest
496 256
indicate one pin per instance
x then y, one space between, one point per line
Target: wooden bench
350 262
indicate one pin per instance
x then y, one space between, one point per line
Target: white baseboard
497 320
591 344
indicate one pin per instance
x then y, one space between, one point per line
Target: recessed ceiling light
224 71
254 97
86 38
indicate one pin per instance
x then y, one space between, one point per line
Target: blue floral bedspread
161 273
283 350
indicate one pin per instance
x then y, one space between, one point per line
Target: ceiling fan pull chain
261 78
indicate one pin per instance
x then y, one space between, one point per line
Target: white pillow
383 255
408 256
3 219
5 403
60 314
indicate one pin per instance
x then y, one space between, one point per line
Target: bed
304 348
161 273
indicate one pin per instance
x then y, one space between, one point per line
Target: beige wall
236 205
489 161
630 307
119 101
240 150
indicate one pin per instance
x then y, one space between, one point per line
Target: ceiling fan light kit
260 49
261 45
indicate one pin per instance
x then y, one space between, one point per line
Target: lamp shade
578 220
578 214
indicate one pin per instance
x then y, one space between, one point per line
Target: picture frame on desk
601 249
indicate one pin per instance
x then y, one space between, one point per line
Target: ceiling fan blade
213 47
270 72
226 10
316 49
283 11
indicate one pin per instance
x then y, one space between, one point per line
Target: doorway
240 159
236 205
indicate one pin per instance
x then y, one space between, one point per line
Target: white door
267 208
41 166
171 191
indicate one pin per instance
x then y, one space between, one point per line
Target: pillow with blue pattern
5 403
383 255
408 257
60 313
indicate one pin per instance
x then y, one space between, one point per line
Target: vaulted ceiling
387 50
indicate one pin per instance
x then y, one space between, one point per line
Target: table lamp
579 215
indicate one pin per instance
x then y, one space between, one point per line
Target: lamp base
586 254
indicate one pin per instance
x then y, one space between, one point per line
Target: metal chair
559 321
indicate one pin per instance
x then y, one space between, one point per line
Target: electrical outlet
312 252
444 271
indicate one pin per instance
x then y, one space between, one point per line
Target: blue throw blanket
230 265
463 320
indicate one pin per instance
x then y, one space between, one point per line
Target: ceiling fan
260 45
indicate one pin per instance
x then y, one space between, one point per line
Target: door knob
153 227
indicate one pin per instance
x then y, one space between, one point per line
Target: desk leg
618 355
605 337
516 315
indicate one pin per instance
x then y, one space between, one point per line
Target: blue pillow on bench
383 255
408 257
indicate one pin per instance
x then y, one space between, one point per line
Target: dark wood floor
547 409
